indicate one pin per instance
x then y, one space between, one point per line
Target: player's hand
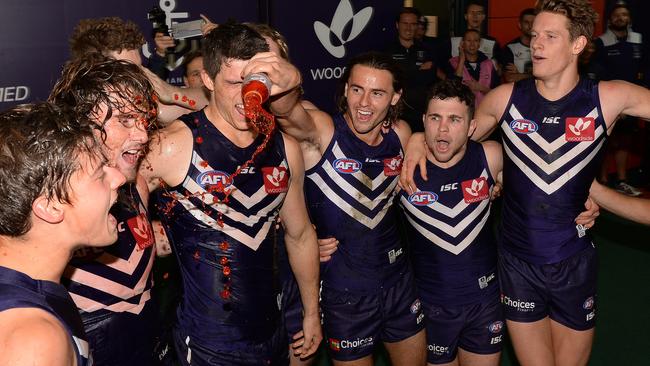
588 218
306 342
415 156
327 247
497 188
283 74
207 25
163 43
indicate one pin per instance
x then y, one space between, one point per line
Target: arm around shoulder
490 111
494 156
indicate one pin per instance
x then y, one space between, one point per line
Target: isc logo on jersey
213 179
392 166
475 190
523 126
346 166
141 230
423 198
276 179
579 129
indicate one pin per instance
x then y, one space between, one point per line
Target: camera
158 19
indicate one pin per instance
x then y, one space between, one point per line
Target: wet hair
408 10
453 88
379 61
527 11
189 57
86 84
230 41
580 13
266 30
104 35
40 145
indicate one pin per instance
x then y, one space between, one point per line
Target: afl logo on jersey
346 166
496 327
523 126
423 198
212 179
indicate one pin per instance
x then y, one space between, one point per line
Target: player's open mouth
132 156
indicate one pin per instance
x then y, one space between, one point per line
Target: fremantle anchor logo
342 16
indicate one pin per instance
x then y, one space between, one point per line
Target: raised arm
300 239
490 111
302 124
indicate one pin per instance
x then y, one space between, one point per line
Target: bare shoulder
491 147
170 150
403 131
292 149
32 336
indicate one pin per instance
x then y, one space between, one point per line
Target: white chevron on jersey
539 140
82 346
249 241
549 168
206 197
89 305
455 249
372 184
549 188
349 209
452 231
245 200
347 187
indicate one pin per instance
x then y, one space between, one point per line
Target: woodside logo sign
342 16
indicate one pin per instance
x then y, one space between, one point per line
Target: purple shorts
190 351
564 291
476 328
355 324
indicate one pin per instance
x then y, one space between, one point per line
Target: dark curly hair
453 88
104 35
40 145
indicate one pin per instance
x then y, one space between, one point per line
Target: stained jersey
228 271
116 278
350 194
453 249
553 150
21 291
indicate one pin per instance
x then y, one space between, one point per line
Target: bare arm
631 208
620 97
490 111
300 239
